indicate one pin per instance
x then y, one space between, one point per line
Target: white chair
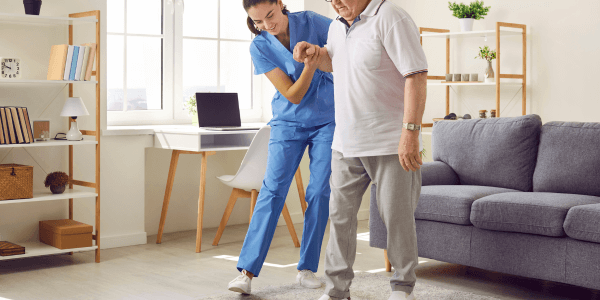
248 181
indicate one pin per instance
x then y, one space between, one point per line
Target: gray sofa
512 196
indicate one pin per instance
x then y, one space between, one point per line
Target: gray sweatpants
397 195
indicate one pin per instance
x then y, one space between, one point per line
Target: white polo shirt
370 60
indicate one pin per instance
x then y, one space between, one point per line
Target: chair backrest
251 173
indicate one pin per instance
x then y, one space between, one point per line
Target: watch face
10 68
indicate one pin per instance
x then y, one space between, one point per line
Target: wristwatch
411 126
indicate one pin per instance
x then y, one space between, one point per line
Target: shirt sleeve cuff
414 72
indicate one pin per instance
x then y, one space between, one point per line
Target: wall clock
10 68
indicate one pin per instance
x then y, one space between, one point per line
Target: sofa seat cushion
583 223
535 213
451 203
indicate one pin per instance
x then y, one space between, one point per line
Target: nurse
303 116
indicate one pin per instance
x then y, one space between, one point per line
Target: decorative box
8 249
16 182
66 234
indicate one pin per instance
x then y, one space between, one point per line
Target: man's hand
408 150
302 50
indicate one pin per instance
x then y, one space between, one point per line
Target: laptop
220 111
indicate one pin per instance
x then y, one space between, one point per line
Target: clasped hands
309 54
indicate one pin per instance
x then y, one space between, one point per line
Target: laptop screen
218 109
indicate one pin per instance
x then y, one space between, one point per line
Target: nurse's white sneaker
241 284
399 295
307 279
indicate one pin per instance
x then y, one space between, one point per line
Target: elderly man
380 77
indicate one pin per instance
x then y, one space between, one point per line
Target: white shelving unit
30 81
46 195
472 84
92 137
502 29
33 249
51 143
471 34
32 19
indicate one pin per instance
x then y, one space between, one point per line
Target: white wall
563 39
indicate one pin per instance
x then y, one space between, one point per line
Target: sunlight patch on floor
236 258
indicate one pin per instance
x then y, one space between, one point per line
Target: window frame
172 111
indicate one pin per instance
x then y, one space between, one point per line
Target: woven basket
16 182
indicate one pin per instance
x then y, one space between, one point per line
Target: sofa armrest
438 173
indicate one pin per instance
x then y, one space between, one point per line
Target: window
161 52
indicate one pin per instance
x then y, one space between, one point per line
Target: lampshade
74 107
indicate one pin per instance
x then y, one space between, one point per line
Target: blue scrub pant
286 148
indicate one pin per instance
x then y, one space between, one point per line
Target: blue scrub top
316 108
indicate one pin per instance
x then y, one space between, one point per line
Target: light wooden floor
173 270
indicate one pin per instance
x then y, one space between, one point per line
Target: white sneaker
307 279
241 284
398 295
327 297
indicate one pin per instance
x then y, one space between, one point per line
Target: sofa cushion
451 203
535 213
498 152
568 159
583 223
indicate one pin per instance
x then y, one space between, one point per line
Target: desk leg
300 186
201 200
168 189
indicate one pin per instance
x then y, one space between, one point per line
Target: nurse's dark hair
249 3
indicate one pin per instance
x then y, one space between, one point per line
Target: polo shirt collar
372 9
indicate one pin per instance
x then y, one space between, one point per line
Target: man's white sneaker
327 297
307 279
399 295
241 284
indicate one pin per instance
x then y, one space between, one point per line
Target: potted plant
489 55
190 106
468 14
57 181
32 7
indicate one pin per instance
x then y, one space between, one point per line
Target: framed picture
41 130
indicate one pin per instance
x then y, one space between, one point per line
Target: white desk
188 139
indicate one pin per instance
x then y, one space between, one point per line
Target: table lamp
73 108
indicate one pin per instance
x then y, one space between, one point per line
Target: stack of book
8 249
15 127
69 62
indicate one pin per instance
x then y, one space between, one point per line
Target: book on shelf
10 124
68 62
2 140
27 127
4 125
17 125
74 63
79 63
90 61
23 125
58 58
84 64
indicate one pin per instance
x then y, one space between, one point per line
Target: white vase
489 72
466 24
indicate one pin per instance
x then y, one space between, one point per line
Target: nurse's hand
313 58
301 51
